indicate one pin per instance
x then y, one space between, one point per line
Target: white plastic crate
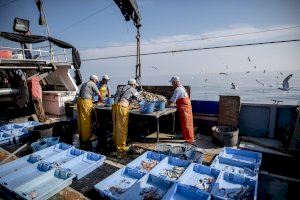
54 101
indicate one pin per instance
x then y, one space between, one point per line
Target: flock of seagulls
234 86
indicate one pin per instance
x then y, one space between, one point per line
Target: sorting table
156 115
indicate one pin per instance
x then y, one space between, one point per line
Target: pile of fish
204 183
148 96
147 166
244 193
173 173
152 193
120 188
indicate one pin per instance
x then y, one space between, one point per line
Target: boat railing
40 53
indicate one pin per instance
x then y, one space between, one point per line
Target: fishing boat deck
268 181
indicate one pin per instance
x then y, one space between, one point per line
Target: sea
209 86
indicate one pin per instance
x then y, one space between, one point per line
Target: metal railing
57 55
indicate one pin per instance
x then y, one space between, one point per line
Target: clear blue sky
166 20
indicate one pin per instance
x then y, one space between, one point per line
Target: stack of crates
12 133
239 174
233 174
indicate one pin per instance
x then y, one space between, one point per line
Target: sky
92 25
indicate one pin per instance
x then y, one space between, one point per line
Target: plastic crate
229 185
84 164
24 175
242 155
148 186
31 124
169 163
6 138
195 172
122 179
28 160
44 143
45 186
64 157
184 192
147 157
235 166
9 127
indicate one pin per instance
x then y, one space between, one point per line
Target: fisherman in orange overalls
184 108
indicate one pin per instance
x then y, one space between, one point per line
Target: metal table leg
173 114
157 131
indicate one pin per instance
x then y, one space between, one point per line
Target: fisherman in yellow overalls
120 113
84 108
103 87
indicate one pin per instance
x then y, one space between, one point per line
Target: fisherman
183 103
120 113
104 87
84 108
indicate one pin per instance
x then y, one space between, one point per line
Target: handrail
39 51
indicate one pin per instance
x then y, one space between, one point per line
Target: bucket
225 135
147 107
109 101
194 155
177 151
160 105
163 148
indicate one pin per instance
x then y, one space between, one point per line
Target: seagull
249 58
223 73
265 71
154 67
255 67
285 83
281 73
205 80
234 86
261 83
226 66
247 72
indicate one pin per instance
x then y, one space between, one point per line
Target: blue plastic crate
167 164
24 175
242 155
9 127
45 186
115 186
147 158
44 143
63 157
235 166
28 160
230 186
196 175
148 185
6 137
184 192
84 164
31 124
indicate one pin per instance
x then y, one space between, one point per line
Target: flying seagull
247 72
223 73
154 67
234 86
249 58
281 73
285 83
261 83
226 66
